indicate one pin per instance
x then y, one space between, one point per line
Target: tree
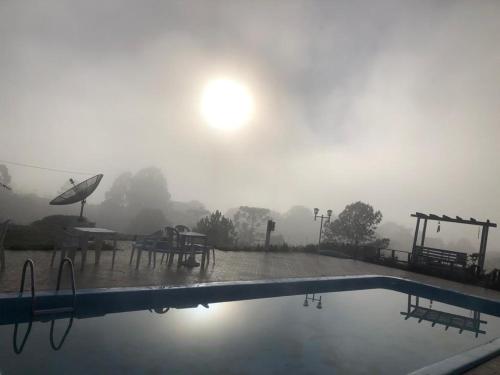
117 196
187 213
400 236
219 229
148 189
147 221
248 221
130 195
355 225
297 225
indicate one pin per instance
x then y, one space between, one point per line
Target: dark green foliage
355 225
219 229
42 234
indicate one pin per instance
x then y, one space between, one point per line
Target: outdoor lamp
316 211
329 212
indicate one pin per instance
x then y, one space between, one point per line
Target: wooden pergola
416 249
443 318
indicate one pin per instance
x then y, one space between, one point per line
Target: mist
393 104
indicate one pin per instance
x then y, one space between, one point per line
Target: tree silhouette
117 195
297 225
147 221
248 221
355 225
148 189
219 229
129 197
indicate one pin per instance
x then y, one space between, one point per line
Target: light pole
319 306
328 217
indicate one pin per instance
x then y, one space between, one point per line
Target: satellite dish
78 193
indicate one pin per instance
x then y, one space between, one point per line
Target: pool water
355 332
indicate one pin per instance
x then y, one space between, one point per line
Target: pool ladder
58 310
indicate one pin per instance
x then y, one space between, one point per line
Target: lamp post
319 306
322 217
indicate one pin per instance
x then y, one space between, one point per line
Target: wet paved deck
229 266
491 367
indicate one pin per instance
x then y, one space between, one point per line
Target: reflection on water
313 298
470 323
343 332
54 344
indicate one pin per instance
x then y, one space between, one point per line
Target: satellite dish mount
78 193
81 210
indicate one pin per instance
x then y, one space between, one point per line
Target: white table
100 234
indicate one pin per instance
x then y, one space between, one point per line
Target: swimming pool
353 325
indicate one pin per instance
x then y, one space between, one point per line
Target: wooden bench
430 255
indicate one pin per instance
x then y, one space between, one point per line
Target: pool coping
109 300
462 362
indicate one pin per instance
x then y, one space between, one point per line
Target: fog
393 103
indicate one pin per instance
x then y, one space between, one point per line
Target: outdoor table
100 234
188 242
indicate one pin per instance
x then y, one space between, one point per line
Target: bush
41 234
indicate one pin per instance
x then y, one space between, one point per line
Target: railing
72 275
394 255
63 338
19 349
60 310
29 263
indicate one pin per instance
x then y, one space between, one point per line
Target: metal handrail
68 261
19 349
63 338
29 262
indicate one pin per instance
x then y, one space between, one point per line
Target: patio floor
229 266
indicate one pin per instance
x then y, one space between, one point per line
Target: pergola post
414 248
482 248
422 241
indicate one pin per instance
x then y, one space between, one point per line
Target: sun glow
226 104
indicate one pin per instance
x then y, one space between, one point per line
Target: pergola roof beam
458 219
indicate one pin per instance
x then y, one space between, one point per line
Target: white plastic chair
69 243
143 244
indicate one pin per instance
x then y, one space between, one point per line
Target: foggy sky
393 103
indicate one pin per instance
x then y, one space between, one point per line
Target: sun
226 104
